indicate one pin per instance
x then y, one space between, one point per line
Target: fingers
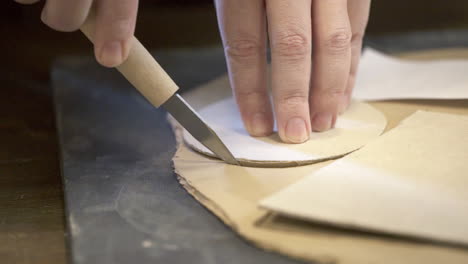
65 15
331 61
289 24
358 11
115 26
26 2
243 30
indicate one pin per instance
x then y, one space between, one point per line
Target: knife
150 79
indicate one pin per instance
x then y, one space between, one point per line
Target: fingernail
322 122
260 125
296 130
111 54
44 15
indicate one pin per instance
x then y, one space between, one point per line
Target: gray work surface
123 202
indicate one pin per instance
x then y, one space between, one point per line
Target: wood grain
31 207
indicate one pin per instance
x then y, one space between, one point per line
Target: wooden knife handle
140 69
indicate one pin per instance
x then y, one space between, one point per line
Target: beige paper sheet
412 181
384 77
359 124
232 193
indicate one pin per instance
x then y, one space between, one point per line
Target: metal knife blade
195 125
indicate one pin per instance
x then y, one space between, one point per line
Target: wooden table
31 205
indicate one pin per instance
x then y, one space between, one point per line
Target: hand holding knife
150 79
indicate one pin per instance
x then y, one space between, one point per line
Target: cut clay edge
221 214
281 164
268 163
178 130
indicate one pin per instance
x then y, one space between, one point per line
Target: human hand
115 24
310 86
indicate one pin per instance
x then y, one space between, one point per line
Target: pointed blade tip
198 128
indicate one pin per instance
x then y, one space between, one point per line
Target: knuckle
251 101
123 28
243 48
356 39
335 92
338 41
293 45
332 93
244 95
327 92
293 99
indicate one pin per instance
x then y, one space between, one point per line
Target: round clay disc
358 125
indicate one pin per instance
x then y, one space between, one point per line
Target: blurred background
29 46
32 228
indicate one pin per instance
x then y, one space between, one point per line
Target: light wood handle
140 69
